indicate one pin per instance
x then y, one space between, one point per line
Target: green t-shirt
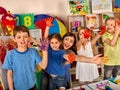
112 52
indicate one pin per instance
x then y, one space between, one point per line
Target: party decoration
102 30
86 33
71 57
44 44
8 20
57 27
3 11
27 20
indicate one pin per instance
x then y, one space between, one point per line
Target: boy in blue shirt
20 62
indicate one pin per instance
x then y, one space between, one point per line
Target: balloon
58 26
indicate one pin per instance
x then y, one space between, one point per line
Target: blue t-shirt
23 66
55 62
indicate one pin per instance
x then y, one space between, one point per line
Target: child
86 72
111 40
20 62
56 58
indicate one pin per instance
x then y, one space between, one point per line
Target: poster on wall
101 6
27 20
79 7
92 21
116 5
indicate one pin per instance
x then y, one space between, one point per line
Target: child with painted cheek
86 72
111 40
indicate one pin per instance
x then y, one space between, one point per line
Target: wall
55 7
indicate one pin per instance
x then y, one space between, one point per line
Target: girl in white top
86 71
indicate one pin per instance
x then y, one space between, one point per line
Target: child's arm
34 40
95 38
44 62
96 59
115 36
48 25
10 79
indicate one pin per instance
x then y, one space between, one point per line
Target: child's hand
104 60
44 44
86 34
71 57
97 59
2 43
49 21
117 23
117 26
102 30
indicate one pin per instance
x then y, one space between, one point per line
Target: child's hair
111 18
56 36
20 28
73 47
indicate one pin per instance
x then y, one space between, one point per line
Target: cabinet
93 21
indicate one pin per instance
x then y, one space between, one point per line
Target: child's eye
66 39
56 42
72 41
25 36
18 37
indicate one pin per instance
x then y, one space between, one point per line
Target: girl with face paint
86 72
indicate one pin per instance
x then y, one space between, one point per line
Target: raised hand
44 44
49 21
117 23
86 33
102 30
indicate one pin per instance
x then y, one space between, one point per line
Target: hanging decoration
27 20
7 20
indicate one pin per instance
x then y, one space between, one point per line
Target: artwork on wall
79 7
116 5
92 21
101 6
27 20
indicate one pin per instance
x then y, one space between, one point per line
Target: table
101 84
